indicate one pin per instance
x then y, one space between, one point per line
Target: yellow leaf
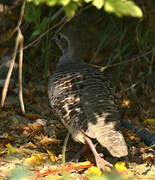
120 166
94 170
11 149
52 156
36 159
82 163
149 121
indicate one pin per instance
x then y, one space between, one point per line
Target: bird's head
70 44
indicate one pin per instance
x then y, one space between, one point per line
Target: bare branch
127 61
5 88
21 38
18 39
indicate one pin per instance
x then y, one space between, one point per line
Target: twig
57 14
20 71
19 42
132 86
5 88
64 154
152 60
125 62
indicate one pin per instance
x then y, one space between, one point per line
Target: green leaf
33 13
98 3
39 28
51 2
87 1
123 7
70 9
37 1
64 2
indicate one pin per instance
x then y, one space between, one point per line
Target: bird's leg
78 155
100 162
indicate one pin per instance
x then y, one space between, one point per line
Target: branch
19 43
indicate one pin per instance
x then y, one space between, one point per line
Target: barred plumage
84 100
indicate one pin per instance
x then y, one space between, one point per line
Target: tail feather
112 140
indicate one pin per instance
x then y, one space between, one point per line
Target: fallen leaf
120 166
51 155
11 149
36 159
149 121
94 170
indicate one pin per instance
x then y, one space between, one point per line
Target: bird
84 100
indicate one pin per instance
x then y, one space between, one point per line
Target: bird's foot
103 164
100 162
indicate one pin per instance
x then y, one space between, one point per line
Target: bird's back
84 100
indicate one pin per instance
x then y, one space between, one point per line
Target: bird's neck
65 59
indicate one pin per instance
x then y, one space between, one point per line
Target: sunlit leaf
87 1
119 7
70 9
98 3
123 7
64 2
51 2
